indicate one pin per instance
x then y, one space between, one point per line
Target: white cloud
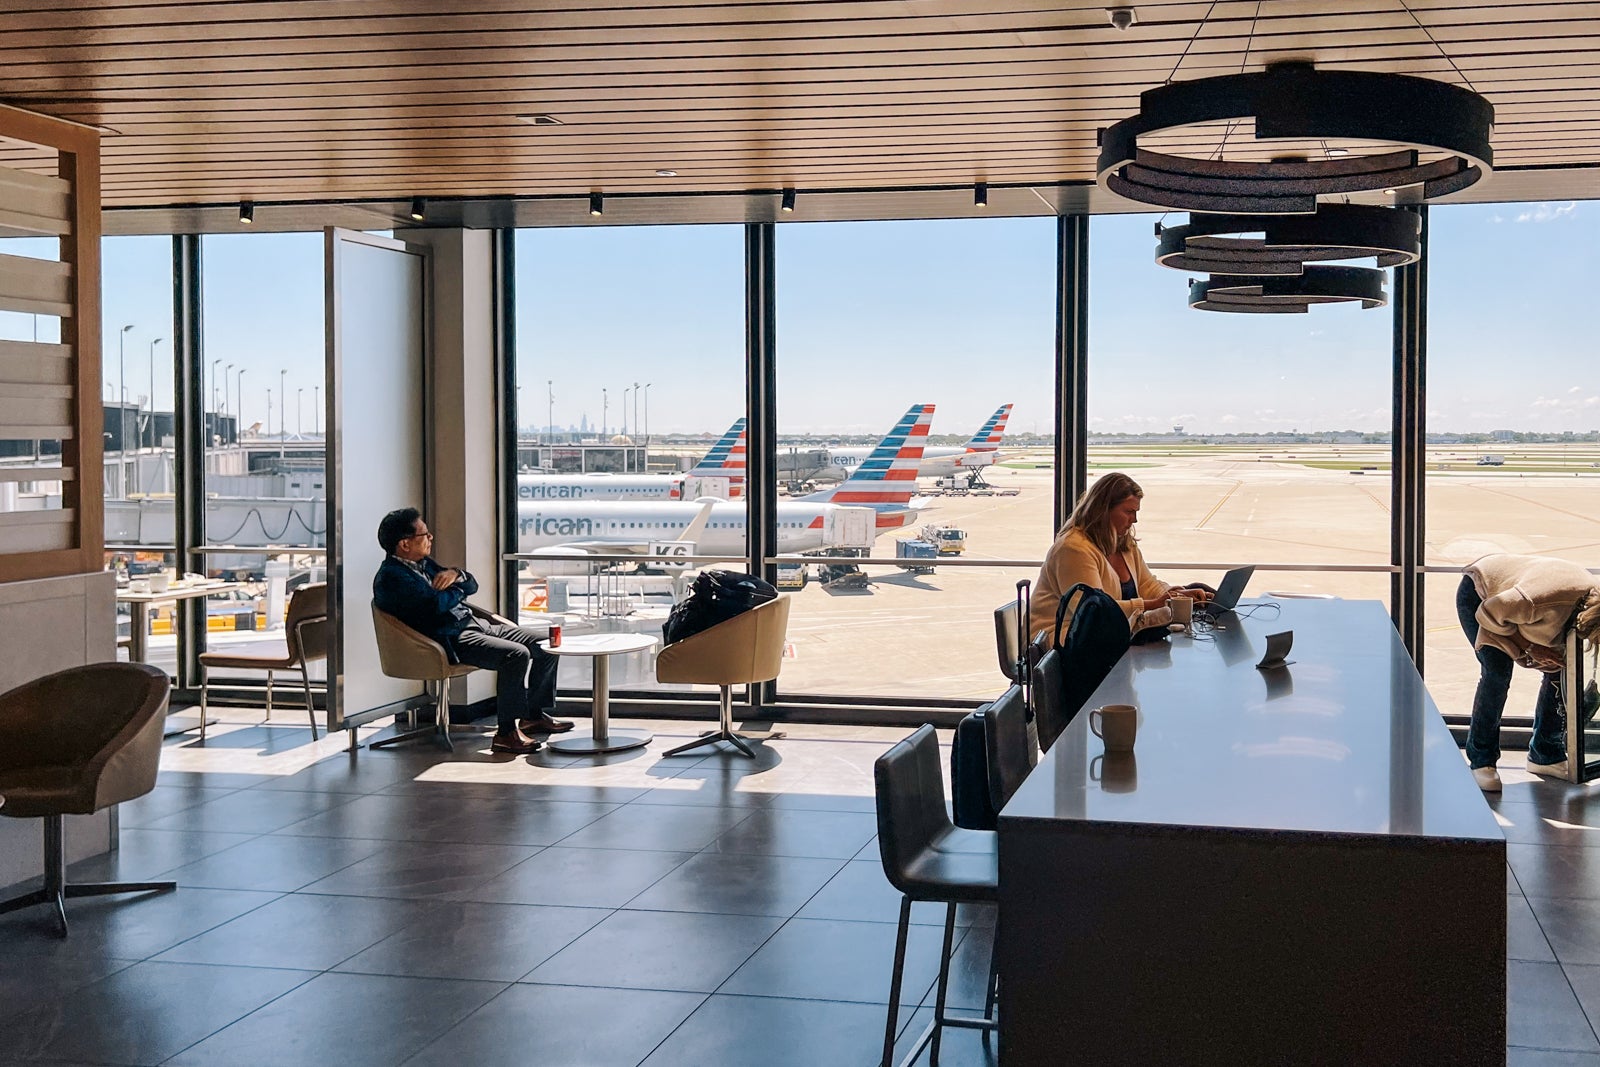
1547 212
1229 420
1546 402
1592 402
1576 389
1497 219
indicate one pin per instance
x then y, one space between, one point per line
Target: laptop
1228 593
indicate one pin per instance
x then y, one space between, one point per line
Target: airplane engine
548 568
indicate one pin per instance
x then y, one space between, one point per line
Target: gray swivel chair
74 743
927 858
405 653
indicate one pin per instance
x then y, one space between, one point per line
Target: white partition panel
376 352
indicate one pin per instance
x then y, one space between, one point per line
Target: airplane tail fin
887 479
725 460
988 438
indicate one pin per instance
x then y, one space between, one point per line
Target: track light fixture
1287 106
419 208
980 195
787 204
247 212
597 204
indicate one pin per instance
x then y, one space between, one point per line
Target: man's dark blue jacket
437 613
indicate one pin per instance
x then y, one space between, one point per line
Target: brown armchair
745 649
405 653
305 637
74 743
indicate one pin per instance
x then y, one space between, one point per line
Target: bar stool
1011 751
928 859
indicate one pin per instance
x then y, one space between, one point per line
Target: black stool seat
927 858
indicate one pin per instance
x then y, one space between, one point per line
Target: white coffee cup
159 581
1182 609
1117 725
139 586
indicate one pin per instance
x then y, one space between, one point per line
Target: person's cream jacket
1073 559
1526 599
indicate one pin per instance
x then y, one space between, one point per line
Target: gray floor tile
1585 982
739 884
1556 870
145 855
775 1033
462 793
166 800
578 877
419 869
957 1047
365 772
1524 939
805 800
861 893
251 811
280 864
330 1020
490 942
823 834
147 1012
1542 1011
131 927
300 932
28 982
815 959
662 828
1571 926
488 820
1531 1057
559 1025
1547 824
659 950
722 791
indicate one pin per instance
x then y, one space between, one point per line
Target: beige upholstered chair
74 743
305 637
745 649
405 653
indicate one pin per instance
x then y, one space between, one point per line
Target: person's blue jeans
1549 743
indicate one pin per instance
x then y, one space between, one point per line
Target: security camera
1122 17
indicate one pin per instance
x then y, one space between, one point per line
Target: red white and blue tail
992 433
725 460
887 479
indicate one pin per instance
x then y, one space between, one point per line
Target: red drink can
555 635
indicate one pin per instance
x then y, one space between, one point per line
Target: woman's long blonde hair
1092 514
1587 622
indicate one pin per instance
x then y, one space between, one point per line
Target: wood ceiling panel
385 99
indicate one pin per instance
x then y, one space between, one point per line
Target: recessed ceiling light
665 173
540 120
1338 153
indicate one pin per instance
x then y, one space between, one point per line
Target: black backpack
715 596
1096 638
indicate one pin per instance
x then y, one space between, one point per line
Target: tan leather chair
405 653
745 649
305 639
74 743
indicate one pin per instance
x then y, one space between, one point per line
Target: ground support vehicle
917 553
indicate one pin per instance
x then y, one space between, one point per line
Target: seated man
431 599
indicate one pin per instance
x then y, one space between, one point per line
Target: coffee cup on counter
1182 610
159 580
1117 772
1115 724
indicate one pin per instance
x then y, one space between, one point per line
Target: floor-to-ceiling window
1257 438
630 424
1513 408
263 332
887 331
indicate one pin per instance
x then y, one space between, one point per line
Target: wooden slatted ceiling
332 100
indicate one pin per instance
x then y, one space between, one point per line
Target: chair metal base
935 1030
57 889
439 730
724 732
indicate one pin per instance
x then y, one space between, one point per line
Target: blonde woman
1097 547
1516 611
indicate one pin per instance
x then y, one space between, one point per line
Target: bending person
1097 547
1516 610
431 599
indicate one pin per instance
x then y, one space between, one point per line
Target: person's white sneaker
1488 779
1549 770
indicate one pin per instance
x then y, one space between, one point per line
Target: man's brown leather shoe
517 745
545 724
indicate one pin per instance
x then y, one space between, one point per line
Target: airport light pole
625 409
238 397
269 416
605 404
316 409
138 476
283 409
550 409
122 406
647 420
227 374
214 364
299 411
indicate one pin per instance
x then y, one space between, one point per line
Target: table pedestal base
614 741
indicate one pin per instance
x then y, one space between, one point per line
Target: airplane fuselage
936 462
538 487
802 525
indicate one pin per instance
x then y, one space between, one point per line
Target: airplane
981 450
725 461
876 497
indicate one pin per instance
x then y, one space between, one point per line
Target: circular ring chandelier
1295 101
1214 244
1289 294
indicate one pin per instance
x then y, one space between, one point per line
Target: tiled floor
406 907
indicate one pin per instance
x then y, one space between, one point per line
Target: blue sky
875 316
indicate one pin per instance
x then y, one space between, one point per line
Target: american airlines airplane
980 451
876 497
725 461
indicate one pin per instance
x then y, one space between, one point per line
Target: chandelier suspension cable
1431 40
1243 63
1196 36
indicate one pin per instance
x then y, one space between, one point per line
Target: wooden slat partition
51 391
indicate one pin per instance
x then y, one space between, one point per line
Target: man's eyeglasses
416 536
